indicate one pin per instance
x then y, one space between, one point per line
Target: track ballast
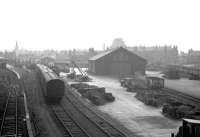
70 126
106 127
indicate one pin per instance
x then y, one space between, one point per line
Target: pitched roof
100 55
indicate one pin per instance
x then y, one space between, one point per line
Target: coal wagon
52 86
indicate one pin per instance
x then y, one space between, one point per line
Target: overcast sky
68 24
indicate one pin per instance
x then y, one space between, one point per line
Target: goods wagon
172 72
142 82
155 82
52 87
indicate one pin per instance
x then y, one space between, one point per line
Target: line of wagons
52 86
148 82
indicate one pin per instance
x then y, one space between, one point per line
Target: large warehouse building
117 62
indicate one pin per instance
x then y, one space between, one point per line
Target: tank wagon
53 88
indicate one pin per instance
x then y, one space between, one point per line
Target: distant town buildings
159 55
192 57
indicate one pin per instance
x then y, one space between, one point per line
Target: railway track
179 95
105 126
182 96
70 126
11 123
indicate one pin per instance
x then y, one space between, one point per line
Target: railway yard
102 107
141 119
99 68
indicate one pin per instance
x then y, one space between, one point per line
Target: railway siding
72 128
13 123
182 96
104 125
92 129
174 104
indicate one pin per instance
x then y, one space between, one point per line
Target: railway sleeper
99 121
68 123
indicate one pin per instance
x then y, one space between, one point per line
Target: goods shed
118 62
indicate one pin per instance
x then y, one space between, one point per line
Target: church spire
16 46
16 50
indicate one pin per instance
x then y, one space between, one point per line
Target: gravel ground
141 119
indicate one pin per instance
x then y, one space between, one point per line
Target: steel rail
95 118
183 95
73 129
16 114
4 114
9 123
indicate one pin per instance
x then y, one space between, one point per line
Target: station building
117 62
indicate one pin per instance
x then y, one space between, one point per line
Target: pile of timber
95 94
